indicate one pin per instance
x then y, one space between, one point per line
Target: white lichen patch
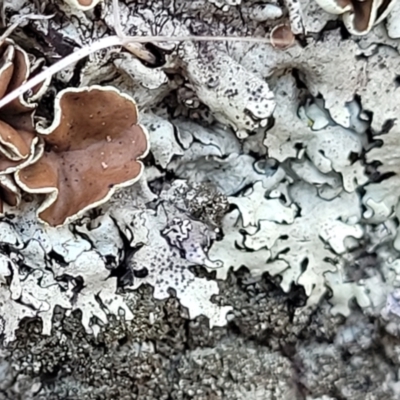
381 198
381 74
235 96
160 264
98 296
43 297
239 175
214 155
314 17
344 292
328 185
35 291
11 314
190 236
392 21
255 207
311 243
163 144
317 63
295 16
329 148
99 232
231 252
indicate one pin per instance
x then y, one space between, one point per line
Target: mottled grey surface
282 161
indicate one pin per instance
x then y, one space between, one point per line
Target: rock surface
258 255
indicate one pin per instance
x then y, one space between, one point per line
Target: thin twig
111 41
117 19
18 21
120 39
135 48
59 66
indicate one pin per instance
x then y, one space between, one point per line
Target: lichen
268 210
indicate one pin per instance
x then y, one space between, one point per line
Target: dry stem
117 40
